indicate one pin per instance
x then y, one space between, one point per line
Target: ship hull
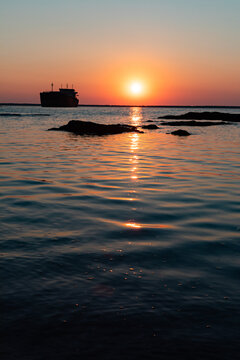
57 99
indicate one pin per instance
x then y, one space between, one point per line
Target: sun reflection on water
133 225
134 142
135 117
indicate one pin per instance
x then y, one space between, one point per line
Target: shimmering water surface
121 246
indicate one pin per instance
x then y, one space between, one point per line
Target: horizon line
112 105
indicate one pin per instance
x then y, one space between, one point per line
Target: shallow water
122 246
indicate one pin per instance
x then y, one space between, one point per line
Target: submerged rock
180 132
90 128
151 126
194 123
205 115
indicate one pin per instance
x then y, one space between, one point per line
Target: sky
181 52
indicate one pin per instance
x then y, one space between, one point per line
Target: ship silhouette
63 98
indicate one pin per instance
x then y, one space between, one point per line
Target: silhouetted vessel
62 98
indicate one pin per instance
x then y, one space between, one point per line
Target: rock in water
90 128
205 115
180 132
151 127
194 123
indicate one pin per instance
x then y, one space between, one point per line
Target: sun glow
136 88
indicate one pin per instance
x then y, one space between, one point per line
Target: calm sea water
121 246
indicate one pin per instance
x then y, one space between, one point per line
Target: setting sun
136 88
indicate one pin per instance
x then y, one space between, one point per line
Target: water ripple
130 229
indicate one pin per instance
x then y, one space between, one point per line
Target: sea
121 246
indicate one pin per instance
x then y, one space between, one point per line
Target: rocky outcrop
90 128
206 115
180 132
194 123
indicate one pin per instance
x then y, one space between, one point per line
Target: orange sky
184 55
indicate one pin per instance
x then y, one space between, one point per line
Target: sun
136 88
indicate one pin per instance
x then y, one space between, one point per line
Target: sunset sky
176 52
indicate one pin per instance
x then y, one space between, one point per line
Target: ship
63 98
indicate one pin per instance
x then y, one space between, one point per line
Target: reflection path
135 118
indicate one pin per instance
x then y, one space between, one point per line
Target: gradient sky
182 51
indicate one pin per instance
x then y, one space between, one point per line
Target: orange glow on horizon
130 81
134 81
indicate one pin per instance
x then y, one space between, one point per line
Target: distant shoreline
147 106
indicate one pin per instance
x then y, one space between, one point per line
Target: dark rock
151 126
206 115
10 114
91 128
180 132
15 115
194 123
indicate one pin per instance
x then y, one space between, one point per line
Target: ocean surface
120 246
